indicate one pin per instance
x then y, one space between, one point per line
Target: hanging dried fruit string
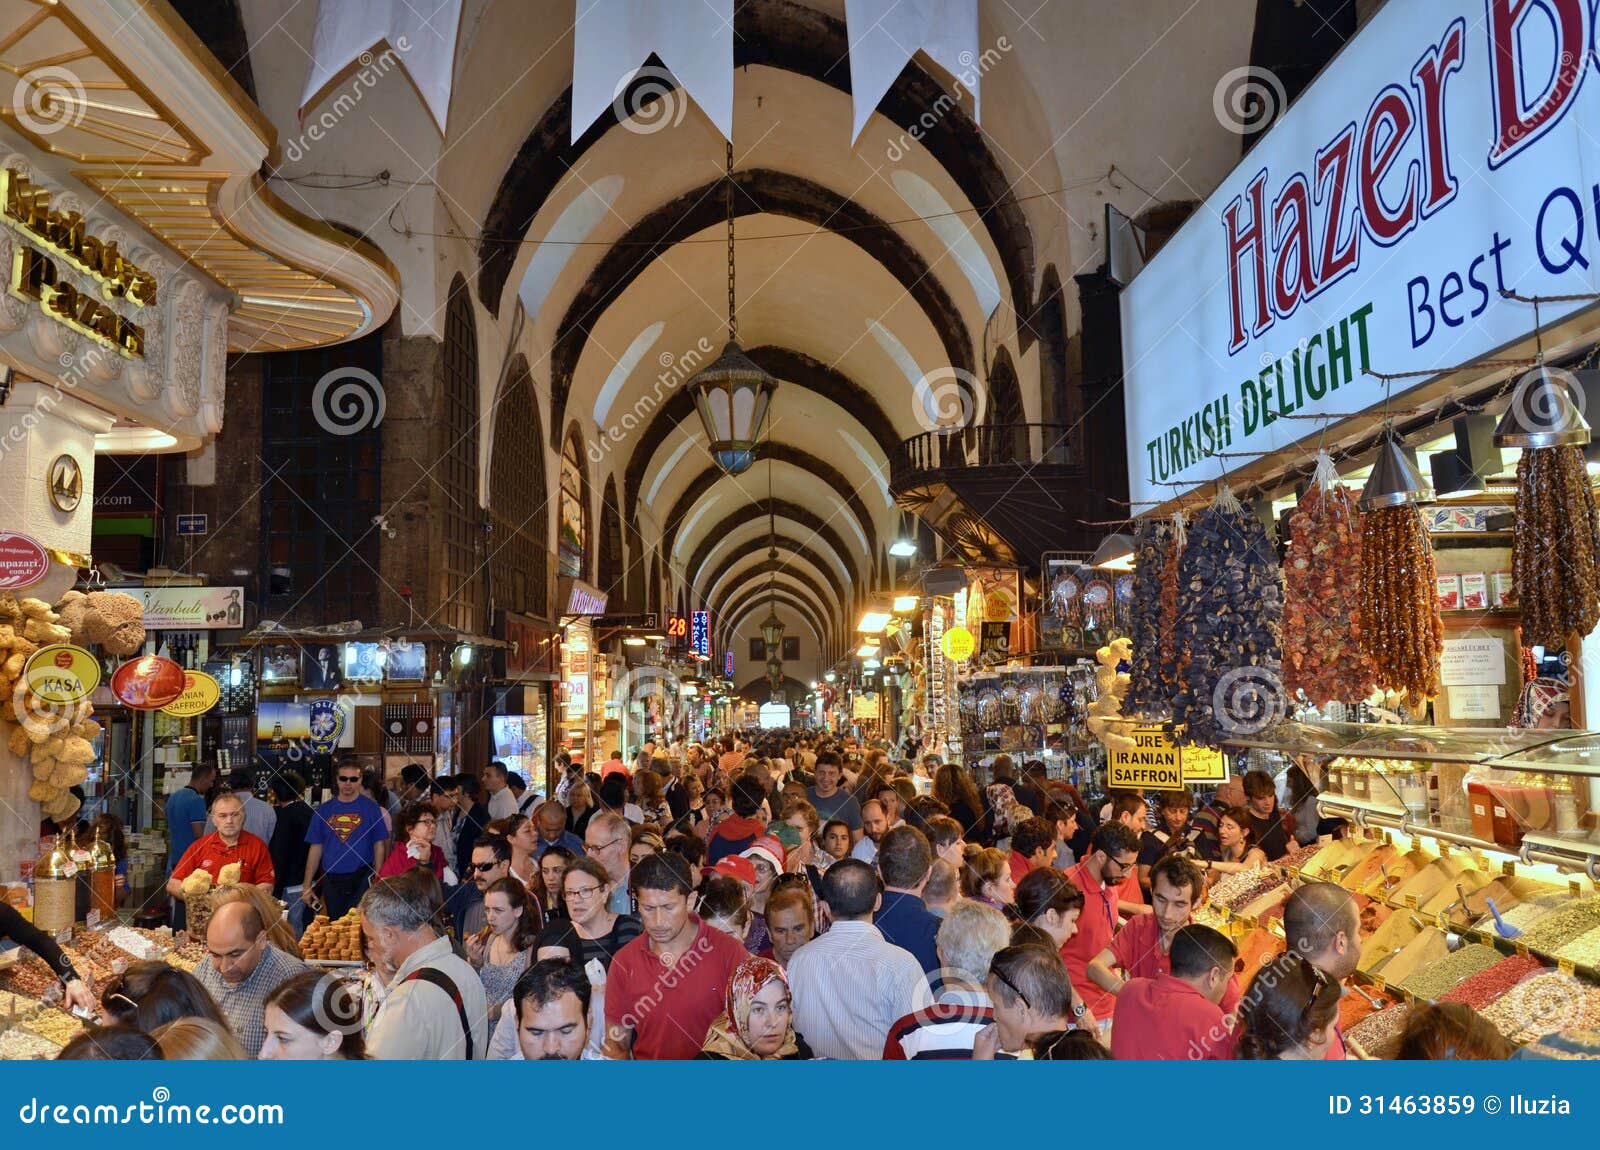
1555 548
1323 656
1230 611
1147 697
1401 630
1169 667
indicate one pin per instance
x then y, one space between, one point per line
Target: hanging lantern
772 634
1394 479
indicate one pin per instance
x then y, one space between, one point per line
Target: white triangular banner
885 34
612 40
420 33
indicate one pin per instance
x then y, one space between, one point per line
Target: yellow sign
62 673
1157 765
26 208
200 694
866 707
958 644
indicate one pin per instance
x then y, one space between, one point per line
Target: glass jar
55 888
103 877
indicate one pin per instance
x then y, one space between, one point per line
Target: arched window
458 522
519 516
573 541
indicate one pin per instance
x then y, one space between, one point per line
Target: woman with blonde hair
580 807
197 1040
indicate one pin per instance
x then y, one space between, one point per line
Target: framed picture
758 651
280 663
319 667
363 662
791 647
407 662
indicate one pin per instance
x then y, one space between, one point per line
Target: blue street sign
194 524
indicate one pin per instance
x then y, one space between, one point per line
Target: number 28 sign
677 630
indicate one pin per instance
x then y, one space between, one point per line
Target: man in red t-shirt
1113 852
229 843
1177 1016
1142 948
666 987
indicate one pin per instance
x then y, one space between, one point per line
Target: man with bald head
1322 924
241 968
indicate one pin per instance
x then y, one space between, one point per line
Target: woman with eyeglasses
1290 1013
414 846
590 936
513 929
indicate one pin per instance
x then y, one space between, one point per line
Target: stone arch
457 519
608 568
519 503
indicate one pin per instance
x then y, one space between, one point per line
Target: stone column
39 424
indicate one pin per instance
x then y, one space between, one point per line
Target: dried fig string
1555 547
1401 630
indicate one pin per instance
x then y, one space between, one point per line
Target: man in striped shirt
969 938
850 984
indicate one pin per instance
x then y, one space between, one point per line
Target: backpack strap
447 984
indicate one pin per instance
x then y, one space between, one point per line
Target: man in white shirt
851 984
502 800
874 821
436 1008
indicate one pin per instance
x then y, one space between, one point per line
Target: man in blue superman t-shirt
348 840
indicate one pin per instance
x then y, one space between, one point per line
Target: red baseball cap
737 866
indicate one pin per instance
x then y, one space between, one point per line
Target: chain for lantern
733 323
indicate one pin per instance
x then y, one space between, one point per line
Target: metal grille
321 491
519 504
457 472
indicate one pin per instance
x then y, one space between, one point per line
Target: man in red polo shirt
1113 851
229 843
1033 845
666 987
1142 948
1178 1016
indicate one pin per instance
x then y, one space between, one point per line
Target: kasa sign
1447 155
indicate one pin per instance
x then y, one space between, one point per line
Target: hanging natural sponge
114 621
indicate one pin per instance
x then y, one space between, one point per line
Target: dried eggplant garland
1147 697
1556 547
1401 629
1322 653
1170 666
1230 612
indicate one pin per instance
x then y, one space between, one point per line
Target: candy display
1323 657
1230 610
338 941
1147 691
1556 547
1401 629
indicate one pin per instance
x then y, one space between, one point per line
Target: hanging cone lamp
1395 479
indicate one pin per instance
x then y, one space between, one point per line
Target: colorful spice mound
1556 929
1230 613
1489 985
1357 1004
1543 1005
1148 696
1298 857
1584 950
1322 654
1435 979
1379 1034
1555 550
1401 629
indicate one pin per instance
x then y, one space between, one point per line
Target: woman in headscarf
759 1020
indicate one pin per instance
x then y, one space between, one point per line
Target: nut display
1401 629
1230 610
1148 694
55 1025
335 941
1553 931
1543 1005
1322 652
17 1045
1556 547
30 976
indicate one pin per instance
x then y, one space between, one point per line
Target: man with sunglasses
1031 997
347 841
490 862
1113 856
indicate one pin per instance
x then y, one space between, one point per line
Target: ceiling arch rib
784 509
758 191
756 567
790 368
752 611
785 547
795 38
755 532
809 466
756 598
